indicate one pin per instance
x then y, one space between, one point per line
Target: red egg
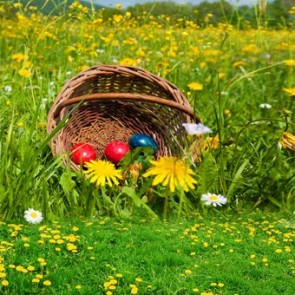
82 153
116 150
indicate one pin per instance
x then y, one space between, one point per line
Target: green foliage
204 13
207 174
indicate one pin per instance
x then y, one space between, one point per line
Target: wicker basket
108 102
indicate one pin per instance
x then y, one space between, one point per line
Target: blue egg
142 140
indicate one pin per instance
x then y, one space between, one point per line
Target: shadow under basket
108 102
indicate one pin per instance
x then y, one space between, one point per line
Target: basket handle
125 96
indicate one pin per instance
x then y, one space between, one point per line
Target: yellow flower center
213 198
34 215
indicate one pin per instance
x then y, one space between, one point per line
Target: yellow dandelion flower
287 141
118 18
172 172
47 283
211 143
238 64
71 246
5 283
17 5
227 112
289 62
40 259
128 62
195 86
24 73
113 282
19 268
221 75
134 290
290 91
18 57
102 172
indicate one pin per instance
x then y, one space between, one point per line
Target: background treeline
277 13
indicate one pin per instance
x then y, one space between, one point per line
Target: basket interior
102 122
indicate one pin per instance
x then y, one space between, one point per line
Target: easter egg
116 150
82 153
143 140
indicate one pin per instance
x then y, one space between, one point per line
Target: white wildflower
193 129
33 216
213 199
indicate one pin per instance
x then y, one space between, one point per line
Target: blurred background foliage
279 13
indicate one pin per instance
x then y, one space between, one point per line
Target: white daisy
8 88
33 216
265 106
213 199
193 129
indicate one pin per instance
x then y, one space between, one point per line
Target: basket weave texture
108 102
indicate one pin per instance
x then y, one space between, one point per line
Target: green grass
174 257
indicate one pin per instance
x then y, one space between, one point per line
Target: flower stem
166 203
181 199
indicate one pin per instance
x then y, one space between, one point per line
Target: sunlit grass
227 254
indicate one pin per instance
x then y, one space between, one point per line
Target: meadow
229 254
240 82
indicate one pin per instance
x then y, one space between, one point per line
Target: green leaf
130 192
207 173
236 178
67 182
275 202
139 154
